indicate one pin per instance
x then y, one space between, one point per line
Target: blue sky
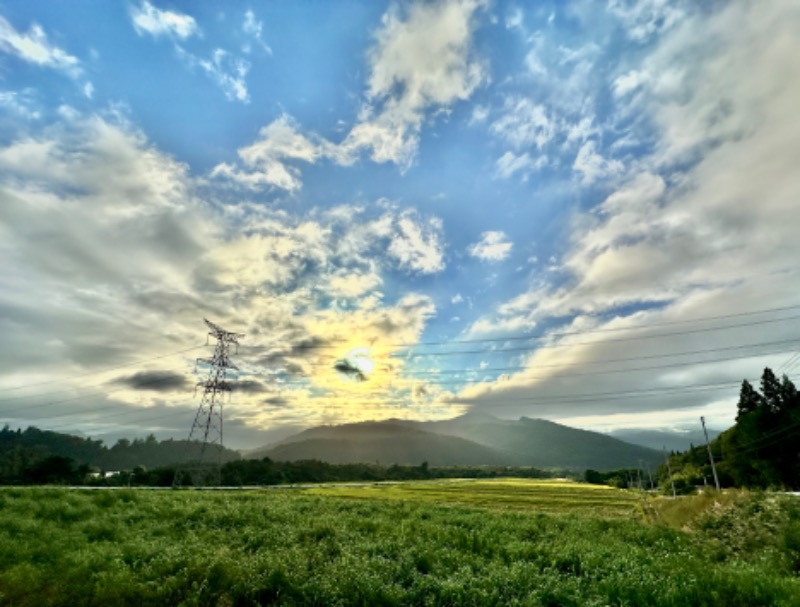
583 211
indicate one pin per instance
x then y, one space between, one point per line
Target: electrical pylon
207 427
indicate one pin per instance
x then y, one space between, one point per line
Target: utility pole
710 455
207 426
669 471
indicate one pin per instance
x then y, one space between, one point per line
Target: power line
605 341
610 329
82 396
515 337
571 345
614 360
105 370
467 382
101 383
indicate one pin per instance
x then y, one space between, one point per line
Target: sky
580 211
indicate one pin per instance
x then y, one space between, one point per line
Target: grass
551 496
410 544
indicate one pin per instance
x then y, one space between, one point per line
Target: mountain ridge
469 439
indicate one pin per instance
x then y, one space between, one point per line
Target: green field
551 496
506 542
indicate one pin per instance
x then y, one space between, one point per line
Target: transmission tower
207 426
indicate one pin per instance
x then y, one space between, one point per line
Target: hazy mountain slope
658 439
473 439
385 442
546 444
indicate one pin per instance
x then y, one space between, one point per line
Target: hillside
383 442
21 449
473 439
672 440
546 444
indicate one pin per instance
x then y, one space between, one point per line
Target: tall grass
60 547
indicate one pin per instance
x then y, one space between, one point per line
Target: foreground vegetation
761 450
411 544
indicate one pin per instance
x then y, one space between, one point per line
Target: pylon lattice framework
208 422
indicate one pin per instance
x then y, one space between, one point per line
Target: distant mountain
673 440
472 439
387 442
546 444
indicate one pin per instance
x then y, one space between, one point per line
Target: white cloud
645 18
253 27
628 83
493 246
156 22
229 73
417 246
704 223
20 104
88 90
509 163
515 19
523 124
592 166
422 59
34 47
103 232
479 114
265 160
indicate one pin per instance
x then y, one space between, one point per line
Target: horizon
578 212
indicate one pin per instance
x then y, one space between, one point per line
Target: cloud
592 167
156 381
493 246
88 90
253 28
148 19
34 47
265 160
416 245
509 163
20 104
226 70
106 238
701 223
643 19
523 124
628 83
423 58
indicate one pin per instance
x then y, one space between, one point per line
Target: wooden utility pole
669 471
710 455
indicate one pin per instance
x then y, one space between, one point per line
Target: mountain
468 440
546 444
387 442
672 440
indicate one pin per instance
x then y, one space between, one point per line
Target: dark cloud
249 386
348 369
275 401
155 381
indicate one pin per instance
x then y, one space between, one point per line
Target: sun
361 358
356 365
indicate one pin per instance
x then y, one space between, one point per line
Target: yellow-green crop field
550 496
499 542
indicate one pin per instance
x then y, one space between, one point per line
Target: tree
749 400
771 389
